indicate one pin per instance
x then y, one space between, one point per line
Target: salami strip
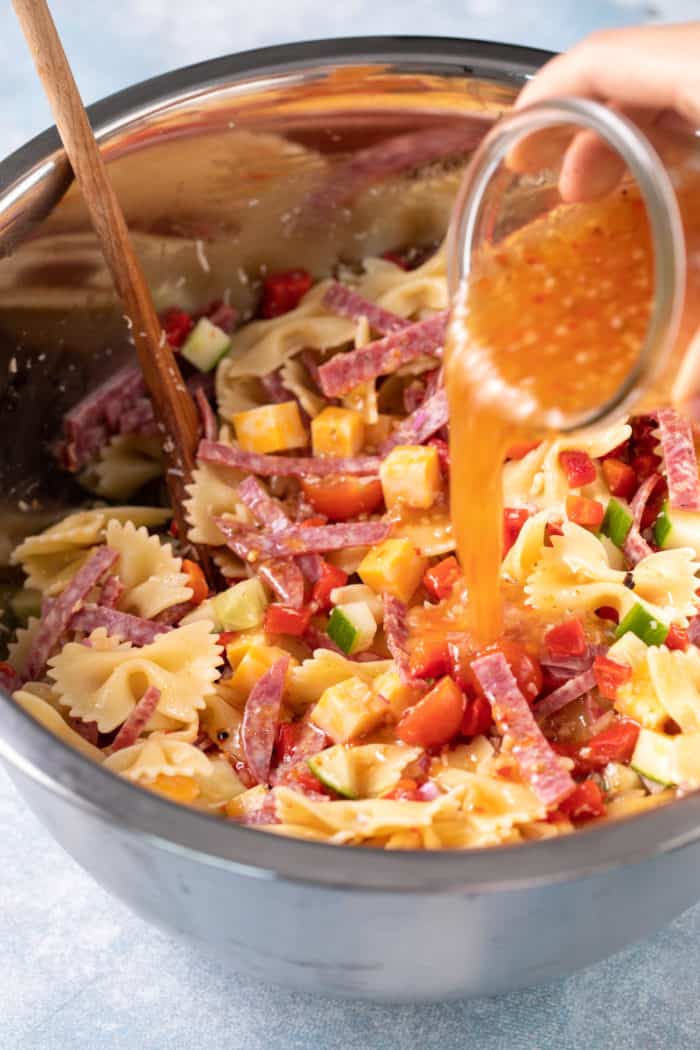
694 630
427 419
138 418
249 544
285 466
317 639
348 303
414 395
263 812
396 631
210 429
87 730
285 578
122 625
265 509
111 592
679 459
173 614
58 616
642 496
566 694
88 423
261 719
636 547
137 720
310 740
538 763
345 371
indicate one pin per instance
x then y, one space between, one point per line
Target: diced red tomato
397 258
586 512
173 529
430 656
645 464
566 639
283 291
341 496
677 638
568 750
477 717
443 451
280 619
610 675
584 803
406 789
607 612
440 579
177 325
513 520
287 737
520 449
436 718
196 580
303 780
578 467
553 528
654 503
620 478
525 667
227 636
614 744
330 578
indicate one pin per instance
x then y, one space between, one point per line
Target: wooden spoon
173 406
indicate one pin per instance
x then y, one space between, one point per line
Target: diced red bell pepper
566 639
430 656
342 496
524 666
520 449
330 578
177 325
608 612
578 467
280 619
610 675
677 638
436 718
614 744
620 478
513 520
440 579
568 750
282 292
227 636
645 464
477 717
586 512
196 581
584 803
553 528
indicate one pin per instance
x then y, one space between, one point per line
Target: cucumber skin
205 345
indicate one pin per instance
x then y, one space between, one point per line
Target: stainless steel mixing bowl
280 157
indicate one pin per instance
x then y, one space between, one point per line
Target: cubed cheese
410 475
394 566
399 695
270 428
253 665
337 432
348 710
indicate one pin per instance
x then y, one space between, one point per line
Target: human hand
649 73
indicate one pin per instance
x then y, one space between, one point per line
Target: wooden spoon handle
174 408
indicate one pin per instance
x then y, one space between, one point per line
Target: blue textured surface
79 970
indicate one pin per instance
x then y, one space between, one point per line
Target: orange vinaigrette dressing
552 317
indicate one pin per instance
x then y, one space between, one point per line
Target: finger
652 66
591 166
541 151
686 387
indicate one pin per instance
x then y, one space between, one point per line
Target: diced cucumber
362 771
677 528
619 778
617 522
644 625
26 602
334 769
352 627
241 606
205 345
359 592
654 757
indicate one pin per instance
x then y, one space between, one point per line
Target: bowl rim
33 752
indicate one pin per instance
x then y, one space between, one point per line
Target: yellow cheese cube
377 433
270 428
337 432
256 662
399 695
239 646
348 710
410 475
394 566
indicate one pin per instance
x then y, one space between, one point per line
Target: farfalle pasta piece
150 572
51 558
19 649
664 684
412 293
212 493
159 755
34 699
325 668
523 556
538 480
574 575
296 381
126 462
103 681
